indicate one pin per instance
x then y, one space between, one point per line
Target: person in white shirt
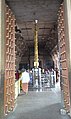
25 80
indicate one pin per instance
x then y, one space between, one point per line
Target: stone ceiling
26 11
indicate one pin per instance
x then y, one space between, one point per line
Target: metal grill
48 80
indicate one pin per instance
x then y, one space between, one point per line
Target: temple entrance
42 50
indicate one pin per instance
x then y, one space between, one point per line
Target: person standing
25 80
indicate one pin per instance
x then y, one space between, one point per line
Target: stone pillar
17 62
2 56
67 19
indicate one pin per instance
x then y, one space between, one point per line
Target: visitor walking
25 80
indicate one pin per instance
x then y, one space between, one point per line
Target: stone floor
38 105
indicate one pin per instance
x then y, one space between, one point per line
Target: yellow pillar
36 55
36 46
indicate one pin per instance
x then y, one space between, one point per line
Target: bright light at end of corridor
36 21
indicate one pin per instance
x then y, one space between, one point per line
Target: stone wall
2 52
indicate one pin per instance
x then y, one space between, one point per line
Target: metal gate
9 84
63 59
48 80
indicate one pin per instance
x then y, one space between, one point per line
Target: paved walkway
38 105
